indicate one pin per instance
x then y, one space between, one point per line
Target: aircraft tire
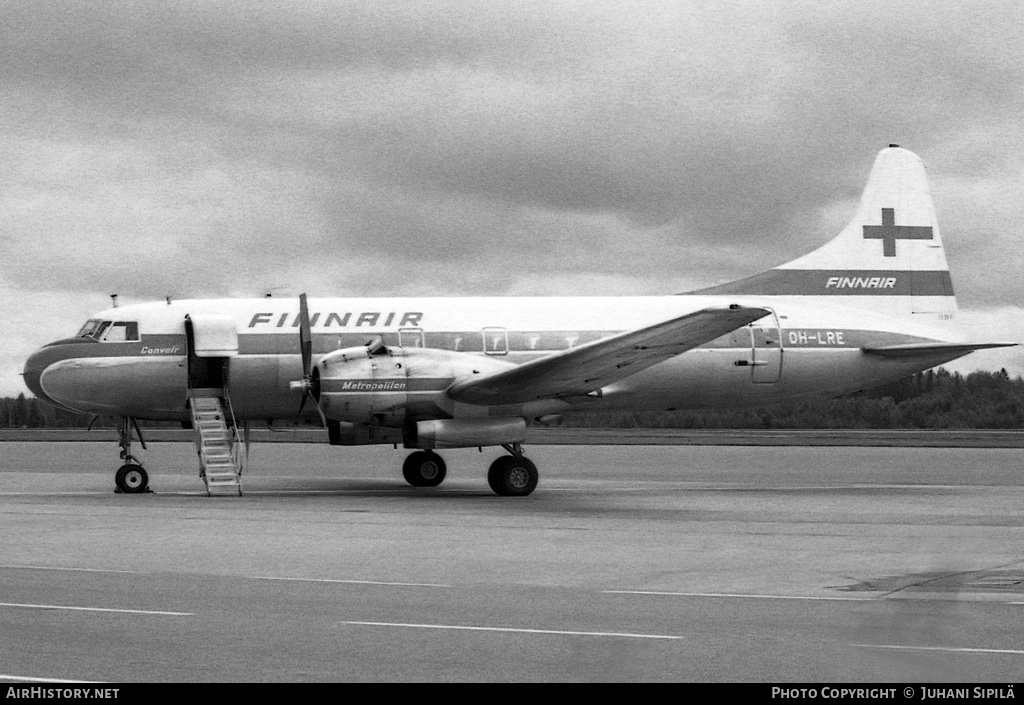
509 476
424 469
131 479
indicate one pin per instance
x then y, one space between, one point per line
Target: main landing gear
424 468
130 478
509 476
513 475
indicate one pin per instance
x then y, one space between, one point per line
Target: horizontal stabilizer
585 369
926 349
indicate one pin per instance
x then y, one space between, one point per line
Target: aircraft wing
584 369
924 349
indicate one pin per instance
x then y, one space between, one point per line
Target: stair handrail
197 434
235 456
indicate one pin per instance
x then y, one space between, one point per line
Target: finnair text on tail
861 282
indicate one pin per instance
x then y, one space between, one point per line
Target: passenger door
766 350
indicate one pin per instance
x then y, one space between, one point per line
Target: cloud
209 148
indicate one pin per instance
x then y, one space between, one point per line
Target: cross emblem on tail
888 232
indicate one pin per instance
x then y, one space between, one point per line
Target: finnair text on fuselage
861 282
341 320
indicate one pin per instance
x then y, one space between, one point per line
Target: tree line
935 399
29 412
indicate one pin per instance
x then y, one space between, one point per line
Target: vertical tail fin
889 258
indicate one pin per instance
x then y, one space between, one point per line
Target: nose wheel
130 478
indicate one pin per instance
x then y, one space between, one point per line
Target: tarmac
667 563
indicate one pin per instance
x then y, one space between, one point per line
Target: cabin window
495 341
410 337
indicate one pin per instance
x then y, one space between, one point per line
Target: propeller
309 383
306 348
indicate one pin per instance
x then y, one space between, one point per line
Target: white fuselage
805 348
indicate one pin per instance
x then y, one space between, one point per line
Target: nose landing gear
131 478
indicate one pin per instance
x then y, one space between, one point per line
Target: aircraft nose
33 373
42 363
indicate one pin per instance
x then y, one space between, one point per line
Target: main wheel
512 477
131 479
424 469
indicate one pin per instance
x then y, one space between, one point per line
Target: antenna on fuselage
113 297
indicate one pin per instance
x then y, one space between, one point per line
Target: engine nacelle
354 385
351 434
465 433
385 385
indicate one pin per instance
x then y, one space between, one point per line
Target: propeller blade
306 348
323 419
305 337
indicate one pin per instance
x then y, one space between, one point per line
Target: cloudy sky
211 148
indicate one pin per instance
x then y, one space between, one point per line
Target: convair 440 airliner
873 305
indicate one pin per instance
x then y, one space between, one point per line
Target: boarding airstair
220 464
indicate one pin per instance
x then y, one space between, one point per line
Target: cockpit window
89 328
121 331
110 331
